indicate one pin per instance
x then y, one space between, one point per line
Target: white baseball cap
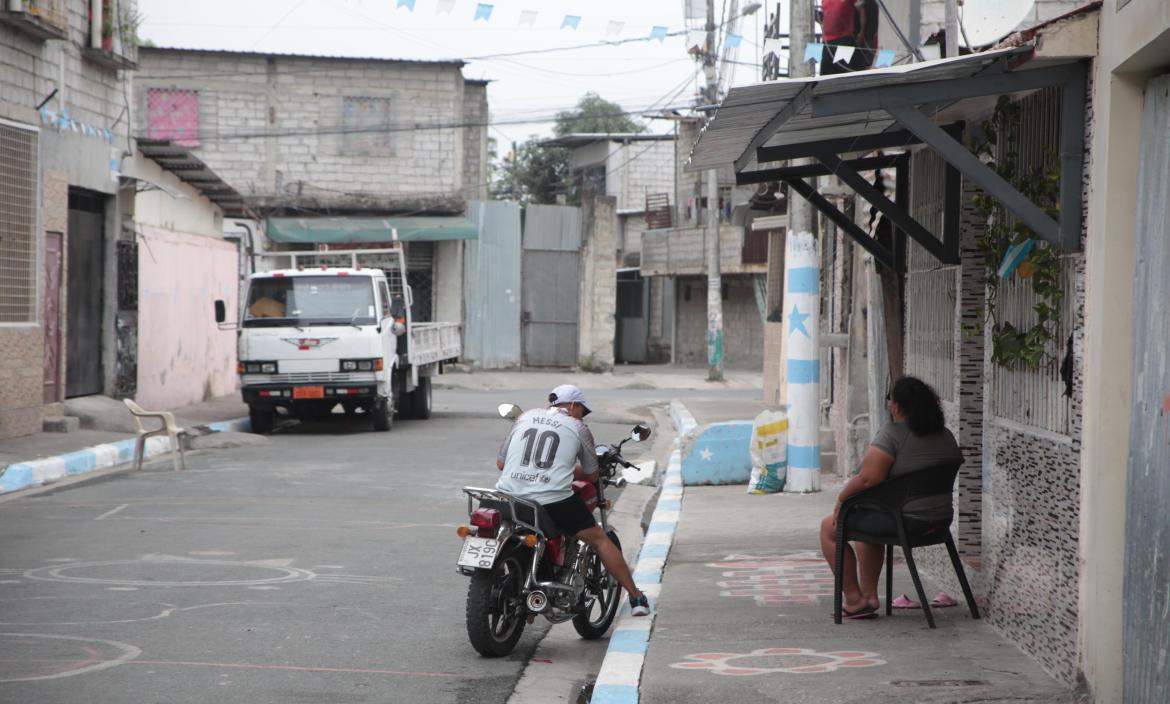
567 393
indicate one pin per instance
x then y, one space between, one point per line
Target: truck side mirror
220 312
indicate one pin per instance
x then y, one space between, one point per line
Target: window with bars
18 224
173 115
365 126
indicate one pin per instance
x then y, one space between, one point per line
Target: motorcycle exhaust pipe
537 601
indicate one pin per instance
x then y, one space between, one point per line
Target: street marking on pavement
775 581
58 574
75 666
111 512
302 668
767 661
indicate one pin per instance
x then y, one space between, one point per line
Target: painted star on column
796 321
705 454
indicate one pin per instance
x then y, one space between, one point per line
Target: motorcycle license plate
309 392
479 552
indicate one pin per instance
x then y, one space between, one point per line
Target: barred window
18 224
173 115
365 126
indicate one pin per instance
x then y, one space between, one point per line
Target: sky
527 89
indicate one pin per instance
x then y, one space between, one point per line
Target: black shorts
571 515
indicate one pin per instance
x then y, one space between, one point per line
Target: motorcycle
521 566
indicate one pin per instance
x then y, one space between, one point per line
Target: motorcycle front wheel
602 595
495 610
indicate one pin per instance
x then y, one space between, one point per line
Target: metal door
551 243
52 318
1147 571
83 336
633 322
491 286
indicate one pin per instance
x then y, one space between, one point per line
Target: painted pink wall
183 357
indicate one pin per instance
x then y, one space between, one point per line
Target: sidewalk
626 376
40 458
744 615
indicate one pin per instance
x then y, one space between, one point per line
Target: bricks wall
244 97
475 140
743 331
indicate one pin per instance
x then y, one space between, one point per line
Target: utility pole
951 19
714 280
800 360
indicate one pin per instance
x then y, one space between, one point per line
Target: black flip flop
864 612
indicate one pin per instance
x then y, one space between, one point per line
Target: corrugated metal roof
191 170
233 52
748 109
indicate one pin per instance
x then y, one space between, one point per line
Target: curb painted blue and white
621 671
24 475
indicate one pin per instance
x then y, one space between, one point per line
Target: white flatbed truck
328 328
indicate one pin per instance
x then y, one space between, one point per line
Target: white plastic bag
769 453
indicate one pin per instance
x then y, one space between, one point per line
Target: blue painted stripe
662 527
804 371
629 641
804 456
804 279
15 477
669 504
80 462
648 577
654 550
614 694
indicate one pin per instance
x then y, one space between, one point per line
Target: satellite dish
986 21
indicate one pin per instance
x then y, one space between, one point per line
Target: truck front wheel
262 419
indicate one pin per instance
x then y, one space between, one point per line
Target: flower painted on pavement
766 661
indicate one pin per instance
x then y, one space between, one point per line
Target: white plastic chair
168 428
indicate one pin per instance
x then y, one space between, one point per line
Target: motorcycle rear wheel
602 595
496 614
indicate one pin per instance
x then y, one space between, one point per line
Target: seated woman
915 439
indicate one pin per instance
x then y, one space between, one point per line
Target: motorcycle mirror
220 312
509 411
641 432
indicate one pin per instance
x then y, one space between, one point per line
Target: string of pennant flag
63 121
841 54
529 18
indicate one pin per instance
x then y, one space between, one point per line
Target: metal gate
551 244
633 321
83 337
1147 571
420 274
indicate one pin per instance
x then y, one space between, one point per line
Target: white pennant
843 55
528 17
614 28
445 6
772 46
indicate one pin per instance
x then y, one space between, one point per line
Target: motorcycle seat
543 520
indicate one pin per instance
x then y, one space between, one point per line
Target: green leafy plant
1015 345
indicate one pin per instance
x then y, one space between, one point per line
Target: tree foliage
534 173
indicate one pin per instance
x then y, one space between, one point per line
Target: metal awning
827 118
332 230
191 170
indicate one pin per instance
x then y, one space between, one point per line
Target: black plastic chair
890 497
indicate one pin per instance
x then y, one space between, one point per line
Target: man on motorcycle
546 449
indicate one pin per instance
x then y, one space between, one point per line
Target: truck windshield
310 300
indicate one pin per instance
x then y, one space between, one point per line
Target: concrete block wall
644 168
597 326
742 329
243 96
475 140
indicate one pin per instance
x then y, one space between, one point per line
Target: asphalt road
318 568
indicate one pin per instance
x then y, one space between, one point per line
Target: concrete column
802 332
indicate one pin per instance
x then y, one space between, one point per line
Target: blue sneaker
639 606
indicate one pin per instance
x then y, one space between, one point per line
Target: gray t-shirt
914 452
541 452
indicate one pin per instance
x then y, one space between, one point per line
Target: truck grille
311 378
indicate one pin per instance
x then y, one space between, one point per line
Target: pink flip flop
943 600
903 602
